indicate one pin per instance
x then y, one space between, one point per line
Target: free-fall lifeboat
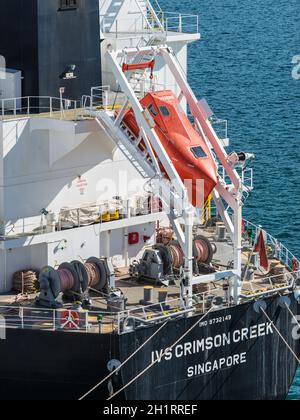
184 146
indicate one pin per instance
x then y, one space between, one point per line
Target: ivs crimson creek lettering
210 343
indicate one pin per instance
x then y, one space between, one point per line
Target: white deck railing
152 20
58 108
42 105
277 283
281 252
179 22
80 216
246 175
22 317
125 28
161 311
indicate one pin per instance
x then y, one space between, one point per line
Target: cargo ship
127 269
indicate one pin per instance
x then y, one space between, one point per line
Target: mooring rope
67 280
156 360
280 335
93 274
25 282
123 364
293 315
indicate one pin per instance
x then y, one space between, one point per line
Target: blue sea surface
243 66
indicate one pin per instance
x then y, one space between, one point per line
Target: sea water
243 67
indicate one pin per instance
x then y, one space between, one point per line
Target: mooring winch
164 263
73 280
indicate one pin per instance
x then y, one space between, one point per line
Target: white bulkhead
47 165
52 166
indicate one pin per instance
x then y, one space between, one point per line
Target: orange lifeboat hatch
184 146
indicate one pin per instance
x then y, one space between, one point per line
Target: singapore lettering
211 343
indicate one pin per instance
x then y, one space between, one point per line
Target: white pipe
126 255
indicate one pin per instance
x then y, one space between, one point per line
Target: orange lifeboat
184 146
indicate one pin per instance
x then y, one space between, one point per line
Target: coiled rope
202 251
93 274
177 255
25 282
159 358
67 280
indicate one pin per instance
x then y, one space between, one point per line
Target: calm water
242 66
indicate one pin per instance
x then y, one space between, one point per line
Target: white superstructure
59 163
139 23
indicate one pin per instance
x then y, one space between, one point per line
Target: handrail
85 215
171 307
63 108
281 251
27 105
274 287
157 5
150 15
100 95
170 22
26 317
246 174
180 22
23 317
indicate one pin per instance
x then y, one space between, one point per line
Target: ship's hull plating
232 354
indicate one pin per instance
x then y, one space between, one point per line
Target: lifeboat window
152 110
164 110
198 152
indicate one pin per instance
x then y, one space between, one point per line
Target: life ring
70 320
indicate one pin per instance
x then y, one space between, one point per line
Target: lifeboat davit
184 146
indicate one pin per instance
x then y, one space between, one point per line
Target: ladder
128 144
149 14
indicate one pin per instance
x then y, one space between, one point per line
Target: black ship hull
234 353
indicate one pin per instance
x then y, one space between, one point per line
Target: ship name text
191 348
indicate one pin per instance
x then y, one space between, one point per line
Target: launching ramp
226 195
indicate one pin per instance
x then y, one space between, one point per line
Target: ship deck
103 318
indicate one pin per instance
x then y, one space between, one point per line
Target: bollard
148 294
162 295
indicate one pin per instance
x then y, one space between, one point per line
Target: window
68 4
164 110
152 110
198 152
